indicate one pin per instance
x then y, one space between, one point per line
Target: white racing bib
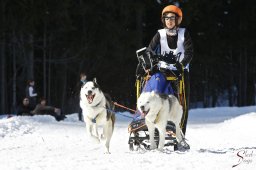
165 48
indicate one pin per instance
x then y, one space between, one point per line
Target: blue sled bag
159 84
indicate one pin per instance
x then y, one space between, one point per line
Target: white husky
97 110
158 109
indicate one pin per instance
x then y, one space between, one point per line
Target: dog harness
94 119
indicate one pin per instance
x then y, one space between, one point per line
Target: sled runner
139 136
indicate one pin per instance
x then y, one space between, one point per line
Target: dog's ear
95 82
152 93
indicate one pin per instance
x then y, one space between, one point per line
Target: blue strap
124 115
119 113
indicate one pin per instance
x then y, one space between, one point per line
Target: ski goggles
172 18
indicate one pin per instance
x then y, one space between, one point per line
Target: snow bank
218 114
39 142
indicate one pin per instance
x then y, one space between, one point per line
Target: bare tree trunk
44 61
64 84
2 63
3 75
14 80
243 77
30 53
49 73
240 82
206 89
243 64
139 18
254 82
231 83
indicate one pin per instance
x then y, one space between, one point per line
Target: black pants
184 118
187 94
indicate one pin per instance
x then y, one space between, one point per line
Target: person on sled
174 40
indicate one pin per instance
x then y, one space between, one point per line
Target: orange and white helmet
173 9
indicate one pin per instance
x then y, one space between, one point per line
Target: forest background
53 41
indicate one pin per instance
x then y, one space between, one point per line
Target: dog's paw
160 149
107 151
153 146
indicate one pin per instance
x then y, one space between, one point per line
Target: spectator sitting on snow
24 109
42 109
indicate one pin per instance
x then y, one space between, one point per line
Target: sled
139 136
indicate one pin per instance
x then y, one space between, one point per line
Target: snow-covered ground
219 138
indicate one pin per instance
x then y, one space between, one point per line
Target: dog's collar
97 104
93 119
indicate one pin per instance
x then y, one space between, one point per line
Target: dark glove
169 58
179 66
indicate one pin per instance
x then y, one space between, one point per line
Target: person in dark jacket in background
43 109
83 78
24 109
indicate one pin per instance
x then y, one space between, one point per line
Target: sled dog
97 110
158 109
